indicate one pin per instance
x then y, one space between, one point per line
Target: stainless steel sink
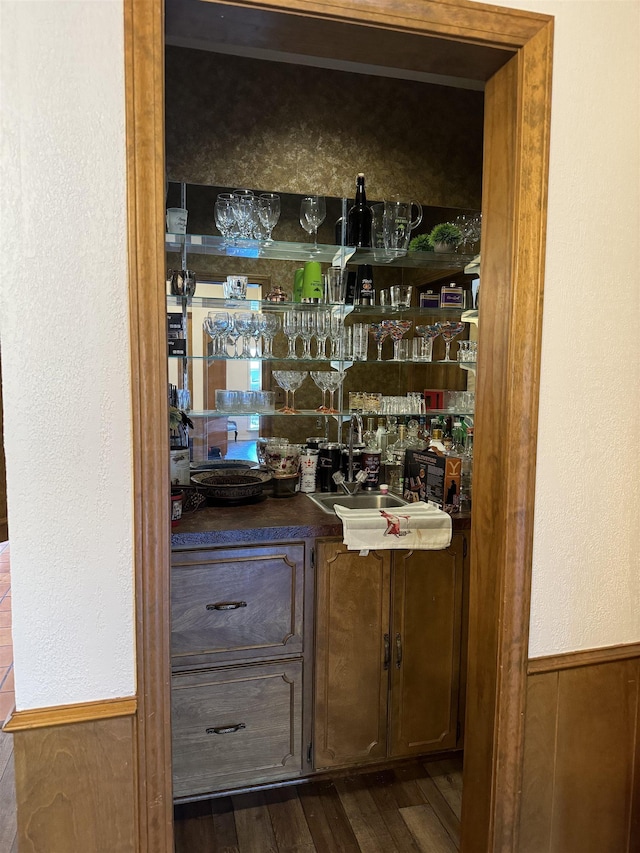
362 500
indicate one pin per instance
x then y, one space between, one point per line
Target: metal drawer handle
398 651
387 651
225 730
227 605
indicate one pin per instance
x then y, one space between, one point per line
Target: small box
430 299
433 399
432 477
451 296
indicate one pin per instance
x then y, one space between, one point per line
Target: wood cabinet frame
512 51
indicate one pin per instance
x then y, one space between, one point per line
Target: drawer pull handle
387 651
225 730
398 651
227 605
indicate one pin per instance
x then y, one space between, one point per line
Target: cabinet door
232 604
351 681
425 667
236 726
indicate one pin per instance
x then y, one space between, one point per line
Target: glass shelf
207 244
337 363
312 413
263 305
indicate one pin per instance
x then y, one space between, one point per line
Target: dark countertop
268 520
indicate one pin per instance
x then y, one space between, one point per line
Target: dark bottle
350 295
359 217
364 292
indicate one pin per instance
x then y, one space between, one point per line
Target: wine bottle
364 293
359 217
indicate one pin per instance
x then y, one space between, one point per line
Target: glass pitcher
398 225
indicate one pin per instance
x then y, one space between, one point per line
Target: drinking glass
282 378
225 218
380 334
320 378
244 208
321 331
269 212
271 325
290 328
233 334
336 331
428 333
244 326
449 330
295 379
334 380
258 324
217 324
313 211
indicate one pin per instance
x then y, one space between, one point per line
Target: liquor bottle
359 217
364 292
350 292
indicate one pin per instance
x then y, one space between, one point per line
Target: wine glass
397 328
244 208
449 330
282 378
269 212
295 379
270 327
217 324
224 216
258 324
244 326
320 378
380 334
233 333
313 211
290 328
321 331
334 380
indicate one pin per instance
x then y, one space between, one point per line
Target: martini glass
295 379
320 378
282 378
334 380
449 331
397 328
380 334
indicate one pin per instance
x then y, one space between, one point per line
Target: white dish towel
414 526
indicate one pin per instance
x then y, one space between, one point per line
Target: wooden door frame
517 116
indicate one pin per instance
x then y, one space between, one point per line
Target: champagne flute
290 328
306 331
449 330
313 211
321 331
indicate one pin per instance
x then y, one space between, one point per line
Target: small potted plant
421 243
445 237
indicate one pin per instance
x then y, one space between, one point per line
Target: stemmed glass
313 211
244 208
269 212
380 334
336 332
306 330
449 330
233 333
295 379
224 216
244 326
270 327
290 328
258 324
334 380
321 331
397 328
282 378
428 333
217 324
320 378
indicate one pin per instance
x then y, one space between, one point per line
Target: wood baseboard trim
61 715
586 657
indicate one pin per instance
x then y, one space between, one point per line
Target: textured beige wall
247 122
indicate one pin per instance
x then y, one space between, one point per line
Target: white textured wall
65 350
586 561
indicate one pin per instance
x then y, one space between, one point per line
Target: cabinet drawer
236 604
236 726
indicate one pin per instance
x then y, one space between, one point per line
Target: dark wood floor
413 808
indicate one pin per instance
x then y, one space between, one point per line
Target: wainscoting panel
581 752
75 787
